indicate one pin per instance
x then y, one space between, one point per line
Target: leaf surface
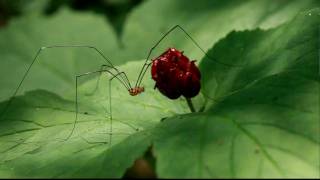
258 117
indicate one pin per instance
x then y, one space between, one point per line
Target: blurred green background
115 11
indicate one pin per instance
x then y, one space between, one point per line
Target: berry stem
189 102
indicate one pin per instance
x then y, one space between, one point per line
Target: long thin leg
98 81
146 64
110 107
77 109
50 47
76 96
128 86
110 110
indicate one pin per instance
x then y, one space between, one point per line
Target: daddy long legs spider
115 73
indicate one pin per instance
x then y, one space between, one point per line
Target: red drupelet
176 75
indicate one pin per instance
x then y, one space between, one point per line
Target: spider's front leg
110 105
113 76
123 78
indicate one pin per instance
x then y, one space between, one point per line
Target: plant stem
189 102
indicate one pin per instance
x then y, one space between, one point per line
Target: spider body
136 90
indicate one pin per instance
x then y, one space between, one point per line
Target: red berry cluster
176 75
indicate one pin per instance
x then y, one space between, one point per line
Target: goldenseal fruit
176 75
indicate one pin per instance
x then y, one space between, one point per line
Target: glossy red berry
176 75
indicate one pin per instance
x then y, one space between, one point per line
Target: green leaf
268 126
259 54
35 128
117 159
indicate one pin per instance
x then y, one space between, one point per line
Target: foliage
261 114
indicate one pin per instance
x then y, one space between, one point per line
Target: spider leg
110 102
110 109
77 110
76 95
125 79
104 67
177 27
146 65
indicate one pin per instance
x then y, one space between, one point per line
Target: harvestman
119 75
